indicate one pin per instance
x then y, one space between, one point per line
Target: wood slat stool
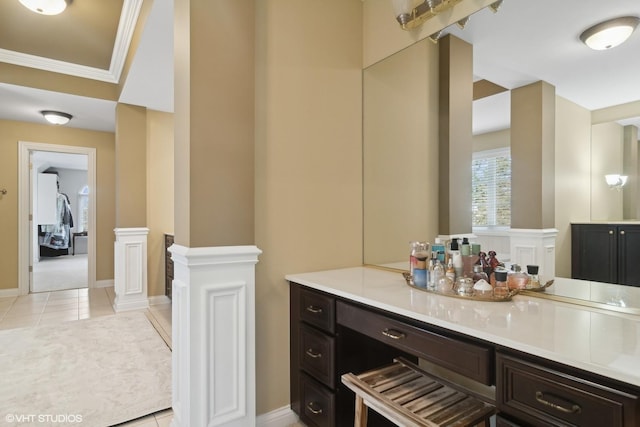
408 396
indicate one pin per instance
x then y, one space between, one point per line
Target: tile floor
54 307
77 304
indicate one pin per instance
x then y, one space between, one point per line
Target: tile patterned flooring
47 308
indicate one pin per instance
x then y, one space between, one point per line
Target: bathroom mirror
400 121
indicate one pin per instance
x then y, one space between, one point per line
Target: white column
130 257
535 247
213 336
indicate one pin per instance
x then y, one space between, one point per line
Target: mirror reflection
597 118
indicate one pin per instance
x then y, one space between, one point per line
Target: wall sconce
616 181
611 33
56 117
411 17
46 7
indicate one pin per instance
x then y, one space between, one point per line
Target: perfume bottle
450 272
500 289
516 278
438 273
534 279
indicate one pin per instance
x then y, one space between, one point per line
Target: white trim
24 231
159 299
213 336
104 283
13 292
126 28
130 269
277 418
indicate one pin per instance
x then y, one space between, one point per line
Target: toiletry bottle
516 278
438 273
450 272
465 247
439 249
534 279
500 289
456 257
479 274
412 256
420 271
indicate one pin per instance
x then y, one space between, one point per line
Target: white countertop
594 340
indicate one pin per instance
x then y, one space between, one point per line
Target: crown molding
126 28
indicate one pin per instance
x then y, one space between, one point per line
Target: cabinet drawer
318 310
317 355
544 396
318 404
469 359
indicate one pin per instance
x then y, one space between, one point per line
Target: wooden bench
408 396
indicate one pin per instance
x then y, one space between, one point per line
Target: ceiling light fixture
609 34
411 17
616 181
56 117
46 7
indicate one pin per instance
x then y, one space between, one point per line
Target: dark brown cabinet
606 253
168 264
544 395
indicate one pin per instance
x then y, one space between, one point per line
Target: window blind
491 188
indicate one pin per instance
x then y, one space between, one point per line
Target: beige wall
573 176
160 195
400 115
492 140
131 166
10 133
308 163
214 122
607 144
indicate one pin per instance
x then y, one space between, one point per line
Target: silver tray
452 293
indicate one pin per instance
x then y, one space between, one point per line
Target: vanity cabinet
542 394
331 336
606 253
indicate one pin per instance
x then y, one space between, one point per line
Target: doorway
56 217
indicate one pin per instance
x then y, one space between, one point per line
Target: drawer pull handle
313 354
610 231
575 409
313 309
393 334
314 411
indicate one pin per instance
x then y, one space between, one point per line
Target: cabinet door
594 252
629 254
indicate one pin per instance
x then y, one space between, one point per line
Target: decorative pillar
455 136
534 247
533 128
130 269
213 336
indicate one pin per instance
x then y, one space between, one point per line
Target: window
83 209
491 188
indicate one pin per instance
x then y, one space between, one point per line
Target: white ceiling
524 42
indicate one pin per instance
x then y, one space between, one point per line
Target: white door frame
24 200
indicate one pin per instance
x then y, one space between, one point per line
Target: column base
213 336
130 281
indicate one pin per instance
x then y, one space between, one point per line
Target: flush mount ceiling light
56 117
609 34
46 7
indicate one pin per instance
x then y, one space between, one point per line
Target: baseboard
104 283
13 292
281 417
159 299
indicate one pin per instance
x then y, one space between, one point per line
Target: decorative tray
492 298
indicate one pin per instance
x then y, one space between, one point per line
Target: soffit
89 39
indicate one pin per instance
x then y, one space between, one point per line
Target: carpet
95 372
